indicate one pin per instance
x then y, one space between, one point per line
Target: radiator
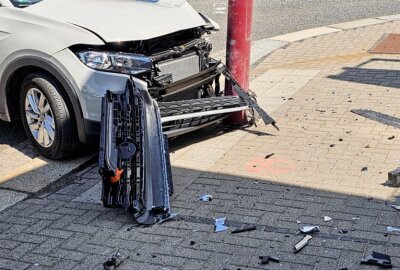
181 68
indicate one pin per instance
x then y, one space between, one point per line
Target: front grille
180 68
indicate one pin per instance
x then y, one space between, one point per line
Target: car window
24 3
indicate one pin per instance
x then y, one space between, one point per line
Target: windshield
24 3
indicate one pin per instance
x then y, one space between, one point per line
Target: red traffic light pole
240 20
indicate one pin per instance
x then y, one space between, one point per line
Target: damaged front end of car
174 67
183 94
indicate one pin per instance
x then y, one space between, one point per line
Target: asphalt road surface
271 18
277 17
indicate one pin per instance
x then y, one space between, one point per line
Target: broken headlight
116 62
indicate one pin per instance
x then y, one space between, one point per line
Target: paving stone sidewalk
310 87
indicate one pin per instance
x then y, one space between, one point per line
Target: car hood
122 20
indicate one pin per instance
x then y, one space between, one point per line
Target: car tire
47 120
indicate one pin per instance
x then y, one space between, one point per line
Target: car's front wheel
46 117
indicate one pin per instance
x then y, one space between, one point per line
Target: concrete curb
264 47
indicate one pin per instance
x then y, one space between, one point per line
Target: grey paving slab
262 48
90 196
9 198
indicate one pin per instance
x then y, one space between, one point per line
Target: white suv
59 57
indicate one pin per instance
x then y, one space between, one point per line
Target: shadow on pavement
11 133
372 75
198 136
87 234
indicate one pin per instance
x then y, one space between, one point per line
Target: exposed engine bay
177 66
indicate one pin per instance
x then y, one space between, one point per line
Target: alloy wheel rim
40 117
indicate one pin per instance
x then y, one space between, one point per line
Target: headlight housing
116 62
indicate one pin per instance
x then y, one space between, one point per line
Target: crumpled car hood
122 20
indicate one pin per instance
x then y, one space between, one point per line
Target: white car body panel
121 20
46 30
26 35
93 84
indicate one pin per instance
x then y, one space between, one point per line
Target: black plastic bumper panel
134 158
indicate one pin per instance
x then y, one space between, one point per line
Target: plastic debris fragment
300 245
206 198
246 229
326 218
310 229
267 259
397 207
115 261
394 178
393 229
220 224
269 155
376 258
170 217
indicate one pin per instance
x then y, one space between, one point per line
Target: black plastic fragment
379 259
242 230
267 259
248 97
134 158
269 156
115 261
394 177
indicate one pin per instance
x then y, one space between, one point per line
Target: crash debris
393 229
220 225
115 261
269 156
394 178
304 242
266 259
206 198
397 207
245 229
134 156
310 229
379 259
170 217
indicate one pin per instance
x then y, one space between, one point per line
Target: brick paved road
54 232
